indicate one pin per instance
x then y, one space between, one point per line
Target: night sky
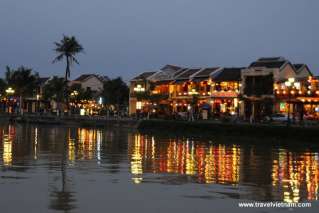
126 37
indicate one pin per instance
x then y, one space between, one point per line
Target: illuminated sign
228 94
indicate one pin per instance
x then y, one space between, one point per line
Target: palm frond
58 58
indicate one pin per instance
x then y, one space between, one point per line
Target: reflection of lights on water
7 151
71 150
190 161
35 143
153 148
71 147
291 171
98 145
87 142
7 141
209 163
136 161
87 145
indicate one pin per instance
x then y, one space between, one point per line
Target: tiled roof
179 72
227 74
270 64
82 77
265 59
205 72
143 76
186 74
298 66
86 76
171 67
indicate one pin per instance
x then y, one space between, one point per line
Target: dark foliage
54 89
3 86
116 92
23 80
82 94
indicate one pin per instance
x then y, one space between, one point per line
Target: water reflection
7 140
209 163
71 158
296 175
280 174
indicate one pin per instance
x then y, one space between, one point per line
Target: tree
116 92
3 86
54 90
23 80
67 48
81 94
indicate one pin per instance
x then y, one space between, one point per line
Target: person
251 119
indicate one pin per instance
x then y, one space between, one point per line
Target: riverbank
206 128
74 120
178 128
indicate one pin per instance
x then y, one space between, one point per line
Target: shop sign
228 94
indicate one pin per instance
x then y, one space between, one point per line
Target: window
139 105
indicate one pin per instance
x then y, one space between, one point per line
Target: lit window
139 88
139 105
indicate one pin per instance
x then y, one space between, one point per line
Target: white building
91 82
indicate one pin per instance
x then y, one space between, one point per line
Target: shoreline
83 121
209 129
179 128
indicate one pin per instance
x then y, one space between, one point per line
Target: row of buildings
266 86
35 103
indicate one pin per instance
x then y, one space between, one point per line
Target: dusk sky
126 37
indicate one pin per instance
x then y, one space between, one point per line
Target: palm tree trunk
67 74
67 71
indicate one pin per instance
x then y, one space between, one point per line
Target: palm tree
67 48
23 80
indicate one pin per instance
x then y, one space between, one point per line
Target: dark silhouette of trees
23 80
3 86
54 91
116 92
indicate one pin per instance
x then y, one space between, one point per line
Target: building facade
267 86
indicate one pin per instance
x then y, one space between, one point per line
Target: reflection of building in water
209 163
71 147
136 159
35 143
87 139
7 151
296 175
7 143
86 144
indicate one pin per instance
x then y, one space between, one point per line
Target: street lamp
74 95
10 91
290 84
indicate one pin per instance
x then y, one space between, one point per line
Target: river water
71 169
